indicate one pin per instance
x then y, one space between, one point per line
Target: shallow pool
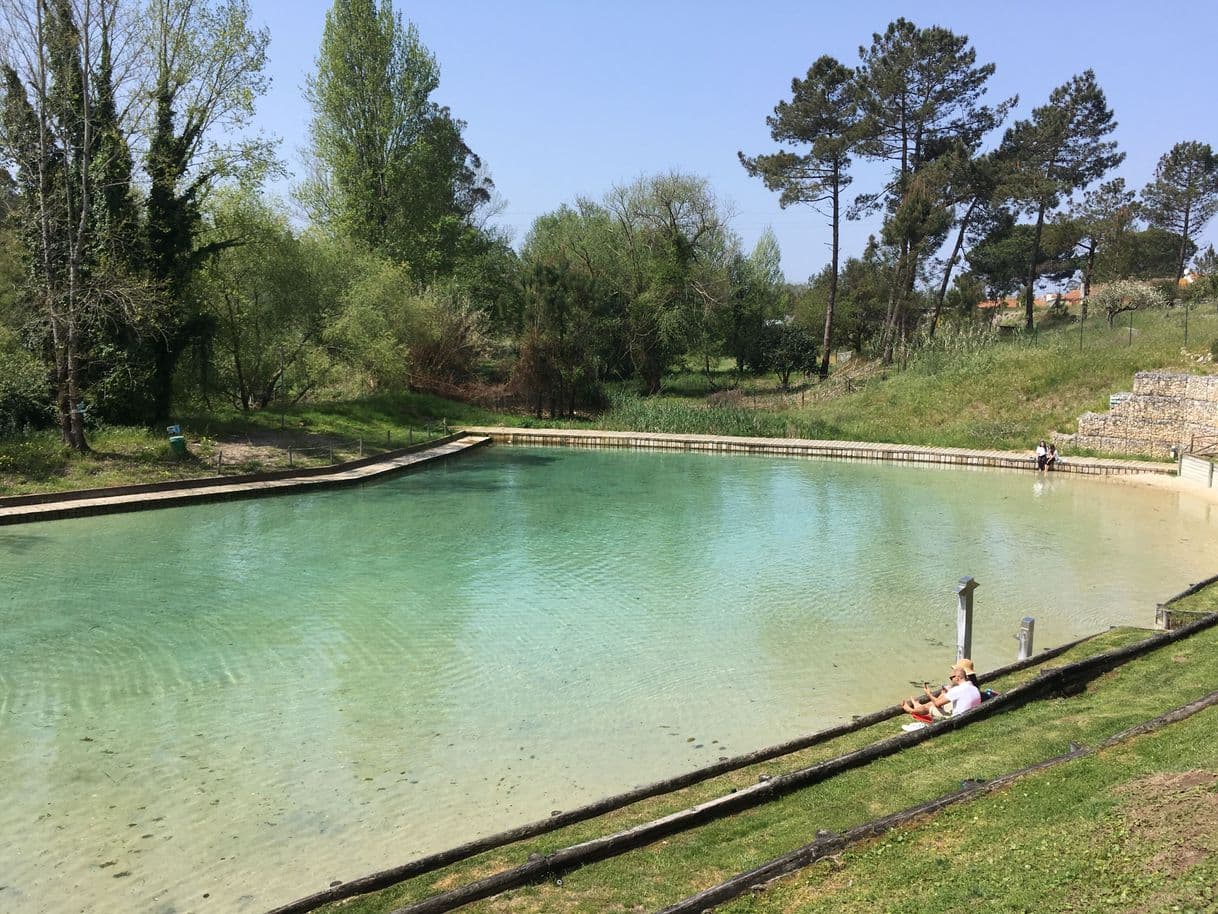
228 706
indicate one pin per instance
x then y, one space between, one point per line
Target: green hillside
969 389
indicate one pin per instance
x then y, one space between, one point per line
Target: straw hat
966 665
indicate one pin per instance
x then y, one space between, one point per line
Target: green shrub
23 388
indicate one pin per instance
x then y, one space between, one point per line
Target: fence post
361 447
410 437
1026 629
388 434
290 458
964 617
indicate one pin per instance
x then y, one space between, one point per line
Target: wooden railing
1203 445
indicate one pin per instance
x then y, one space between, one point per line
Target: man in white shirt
962 695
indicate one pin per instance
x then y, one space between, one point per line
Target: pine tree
1062 148
921 93
822 116
1183 196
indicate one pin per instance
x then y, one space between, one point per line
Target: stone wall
1166 410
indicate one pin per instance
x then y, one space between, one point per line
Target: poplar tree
1062 148
391 169
823 118
1183 196
53 132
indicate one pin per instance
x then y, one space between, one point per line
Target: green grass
1000 833
39 462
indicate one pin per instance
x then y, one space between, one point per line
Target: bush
450 338
788 348
23 388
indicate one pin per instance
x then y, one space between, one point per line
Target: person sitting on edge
962 695
1042 454
1051 457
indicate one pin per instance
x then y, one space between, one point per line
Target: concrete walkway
799 447
52 506
22 509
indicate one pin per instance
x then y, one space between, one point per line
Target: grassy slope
1043 844
1006 396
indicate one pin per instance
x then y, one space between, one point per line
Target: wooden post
361 447
964 617
410 436
1026 628
388 433
290 458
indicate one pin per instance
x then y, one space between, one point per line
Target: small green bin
177 444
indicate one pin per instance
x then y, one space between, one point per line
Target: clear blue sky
564 99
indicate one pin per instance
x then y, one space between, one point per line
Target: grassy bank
1003 396
1063 840
227 442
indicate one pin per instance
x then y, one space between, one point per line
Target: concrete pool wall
800 447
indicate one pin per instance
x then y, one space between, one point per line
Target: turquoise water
228 706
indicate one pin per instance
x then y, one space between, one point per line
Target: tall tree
1062 148
673 248
921 93
1000 258
1183 196
822 116
48 136
1105 213
758 293
1149 253
116 214
391 168
262 295
208 70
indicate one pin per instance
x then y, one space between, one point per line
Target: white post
964 617
1026 628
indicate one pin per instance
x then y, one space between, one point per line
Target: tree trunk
75 400
1087 274
1183 244
827 340
951 263
1030 294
